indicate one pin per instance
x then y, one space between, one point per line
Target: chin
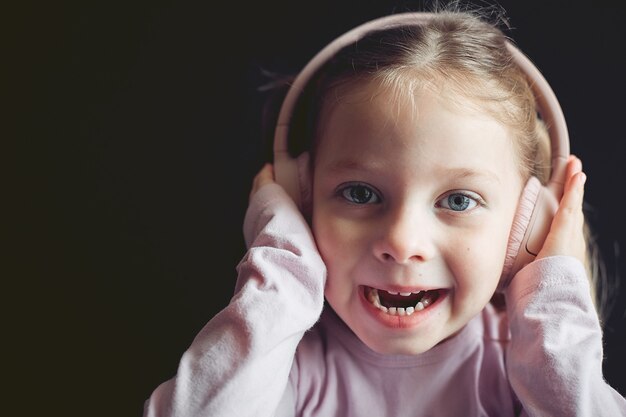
399 346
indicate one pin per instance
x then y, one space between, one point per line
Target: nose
406 236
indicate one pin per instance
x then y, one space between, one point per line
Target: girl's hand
263 177
566 235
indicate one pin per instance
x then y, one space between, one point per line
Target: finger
566 232
267 173
572 201
570 207
574 166
263 177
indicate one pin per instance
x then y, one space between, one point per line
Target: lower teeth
397 311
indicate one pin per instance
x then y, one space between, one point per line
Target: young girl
423 143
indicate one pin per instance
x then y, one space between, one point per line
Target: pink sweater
275 350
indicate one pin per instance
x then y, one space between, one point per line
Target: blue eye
360 194
458 202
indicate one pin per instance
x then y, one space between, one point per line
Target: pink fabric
276 351
524 212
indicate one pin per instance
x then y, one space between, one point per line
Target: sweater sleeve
554 359
239 363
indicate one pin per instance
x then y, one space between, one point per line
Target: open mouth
401 304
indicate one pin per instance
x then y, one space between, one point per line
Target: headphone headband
547 103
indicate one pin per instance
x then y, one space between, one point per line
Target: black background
133 134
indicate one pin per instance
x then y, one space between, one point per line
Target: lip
398 289
402 322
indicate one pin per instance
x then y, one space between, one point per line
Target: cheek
478 261
332 248
323 232
337 241
342 247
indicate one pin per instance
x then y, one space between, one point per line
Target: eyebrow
459 173
354 165
472 173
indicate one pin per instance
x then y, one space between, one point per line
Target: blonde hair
457 53
461 55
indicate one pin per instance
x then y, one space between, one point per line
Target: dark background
133 132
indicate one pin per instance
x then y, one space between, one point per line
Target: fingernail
583 178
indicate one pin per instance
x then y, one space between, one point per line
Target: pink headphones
537 203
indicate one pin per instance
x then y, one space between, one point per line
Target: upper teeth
406 294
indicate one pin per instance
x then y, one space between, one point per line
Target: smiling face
412 208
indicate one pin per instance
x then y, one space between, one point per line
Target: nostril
388 257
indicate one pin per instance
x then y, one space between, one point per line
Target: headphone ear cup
305 183
519 230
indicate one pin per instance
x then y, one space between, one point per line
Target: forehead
374 125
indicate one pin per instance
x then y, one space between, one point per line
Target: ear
519 230
305 183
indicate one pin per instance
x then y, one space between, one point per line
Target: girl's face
412 208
